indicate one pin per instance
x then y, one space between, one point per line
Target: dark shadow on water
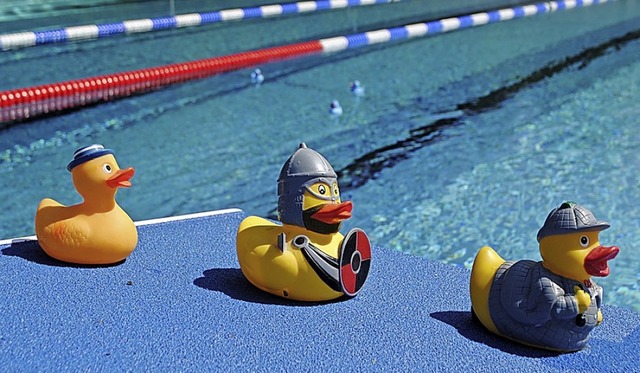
232 282
31 251
472 329
366 167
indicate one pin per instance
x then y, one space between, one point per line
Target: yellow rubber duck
305 258
552 304
96 231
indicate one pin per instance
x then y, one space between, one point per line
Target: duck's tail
48 202
42 218
484 269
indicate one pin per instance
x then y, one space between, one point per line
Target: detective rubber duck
305 257
551 304
96 231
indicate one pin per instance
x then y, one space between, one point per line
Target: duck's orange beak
121 178
332 213
596 262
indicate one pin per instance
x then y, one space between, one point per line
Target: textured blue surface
179 302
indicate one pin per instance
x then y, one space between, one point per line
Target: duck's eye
107 168
322 190
584 241
335 190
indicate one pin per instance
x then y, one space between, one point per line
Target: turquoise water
462 140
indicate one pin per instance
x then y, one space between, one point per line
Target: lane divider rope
25 103
86 32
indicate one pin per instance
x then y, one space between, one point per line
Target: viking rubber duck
96 231
305 257
551 304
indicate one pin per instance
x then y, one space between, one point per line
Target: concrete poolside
180 302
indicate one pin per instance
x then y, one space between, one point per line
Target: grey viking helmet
570 218
305 167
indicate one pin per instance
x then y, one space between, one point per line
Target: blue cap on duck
86 154
570 218
305 166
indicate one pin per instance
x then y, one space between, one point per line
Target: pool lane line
27 103
86 32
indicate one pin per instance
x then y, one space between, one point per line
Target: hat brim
87 157
598 226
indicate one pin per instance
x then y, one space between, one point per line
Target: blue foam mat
180 302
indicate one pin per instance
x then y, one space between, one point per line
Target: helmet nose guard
301 169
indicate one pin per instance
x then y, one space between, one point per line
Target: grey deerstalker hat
570 217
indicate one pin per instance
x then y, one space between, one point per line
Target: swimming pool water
462 140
